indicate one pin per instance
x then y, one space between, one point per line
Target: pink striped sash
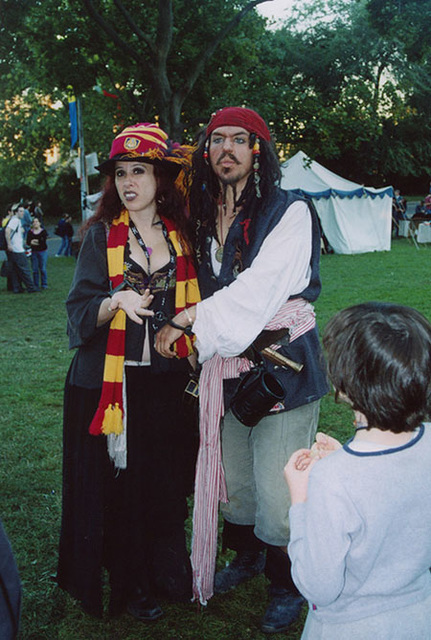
210 487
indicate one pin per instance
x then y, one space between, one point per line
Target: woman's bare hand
133 304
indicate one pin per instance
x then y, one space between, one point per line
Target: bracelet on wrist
188 316
187 330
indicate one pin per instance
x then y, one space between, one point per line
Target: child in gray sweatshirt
360 519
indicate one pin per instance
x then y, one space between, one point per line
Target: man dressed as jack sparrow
258 250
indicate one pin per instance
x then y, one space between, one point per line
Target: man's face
20 212
230 155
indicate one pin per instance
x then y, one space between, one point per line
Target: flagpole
82 164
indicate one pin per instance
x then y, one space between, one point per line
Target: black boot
171 572
286 602
249 561
143 606
141 603
242 568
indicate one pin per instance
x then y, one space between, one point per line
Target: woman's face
36 224
136 185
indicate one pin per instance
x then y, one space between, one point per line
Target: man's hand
165 339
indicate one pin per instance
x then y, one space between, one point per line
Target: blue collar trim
384 452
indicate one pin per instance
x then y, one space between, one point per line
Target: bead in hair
256 166
206 150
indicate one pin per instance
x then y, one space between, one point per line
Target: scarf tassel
113 420
109 420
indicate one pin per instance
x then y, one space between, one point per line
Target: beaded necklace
160 315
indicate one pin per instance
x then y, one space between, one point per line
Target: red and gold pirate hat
147 142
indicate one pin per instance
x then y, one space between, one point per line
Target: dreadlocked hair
170 204
205 190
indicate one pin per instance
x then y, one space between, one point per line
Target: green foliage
33 363
404 20
340 80
131 50
345 88
137 50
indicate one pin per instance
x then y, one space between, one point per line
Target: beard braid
234 198
224 193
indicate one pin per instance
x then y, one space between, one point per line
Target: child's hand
296 474
324 445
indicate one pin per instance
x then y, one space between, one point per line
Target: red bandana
240 117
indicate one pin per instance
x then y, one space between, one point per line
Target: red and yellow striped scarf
110 412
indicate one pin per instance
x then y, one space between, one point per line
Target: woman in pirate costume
127 453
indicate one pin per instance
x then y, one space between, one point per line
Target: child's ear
341 397
360 420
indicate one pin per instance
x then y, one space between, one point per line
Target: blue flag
73 121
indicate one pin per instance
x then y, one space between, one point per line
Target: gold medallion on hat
131 143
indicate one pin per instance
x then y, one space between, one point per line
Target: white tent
354 218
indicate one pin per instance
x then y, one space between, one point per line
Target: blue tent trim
358 193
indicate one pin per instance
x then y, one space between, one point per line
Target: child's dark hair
379 356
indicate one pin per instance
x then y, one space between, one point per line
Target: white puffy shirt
229 321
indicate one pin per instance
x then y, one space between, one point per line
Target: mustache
229 155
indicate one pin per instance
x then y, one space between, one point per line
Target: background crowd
25 242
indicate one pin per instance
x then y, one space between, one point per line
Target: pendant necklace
160 316
219 254
145 248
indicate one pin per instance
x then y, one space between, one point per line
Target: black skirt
131 521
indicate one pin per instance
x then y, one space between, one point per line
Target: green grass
33 364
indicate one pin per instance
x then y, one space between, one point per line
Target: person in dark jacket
65 231
127 444
10 590
37 241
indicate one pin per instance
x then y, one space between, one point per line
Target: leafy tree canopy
152 54
338 80
405 21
